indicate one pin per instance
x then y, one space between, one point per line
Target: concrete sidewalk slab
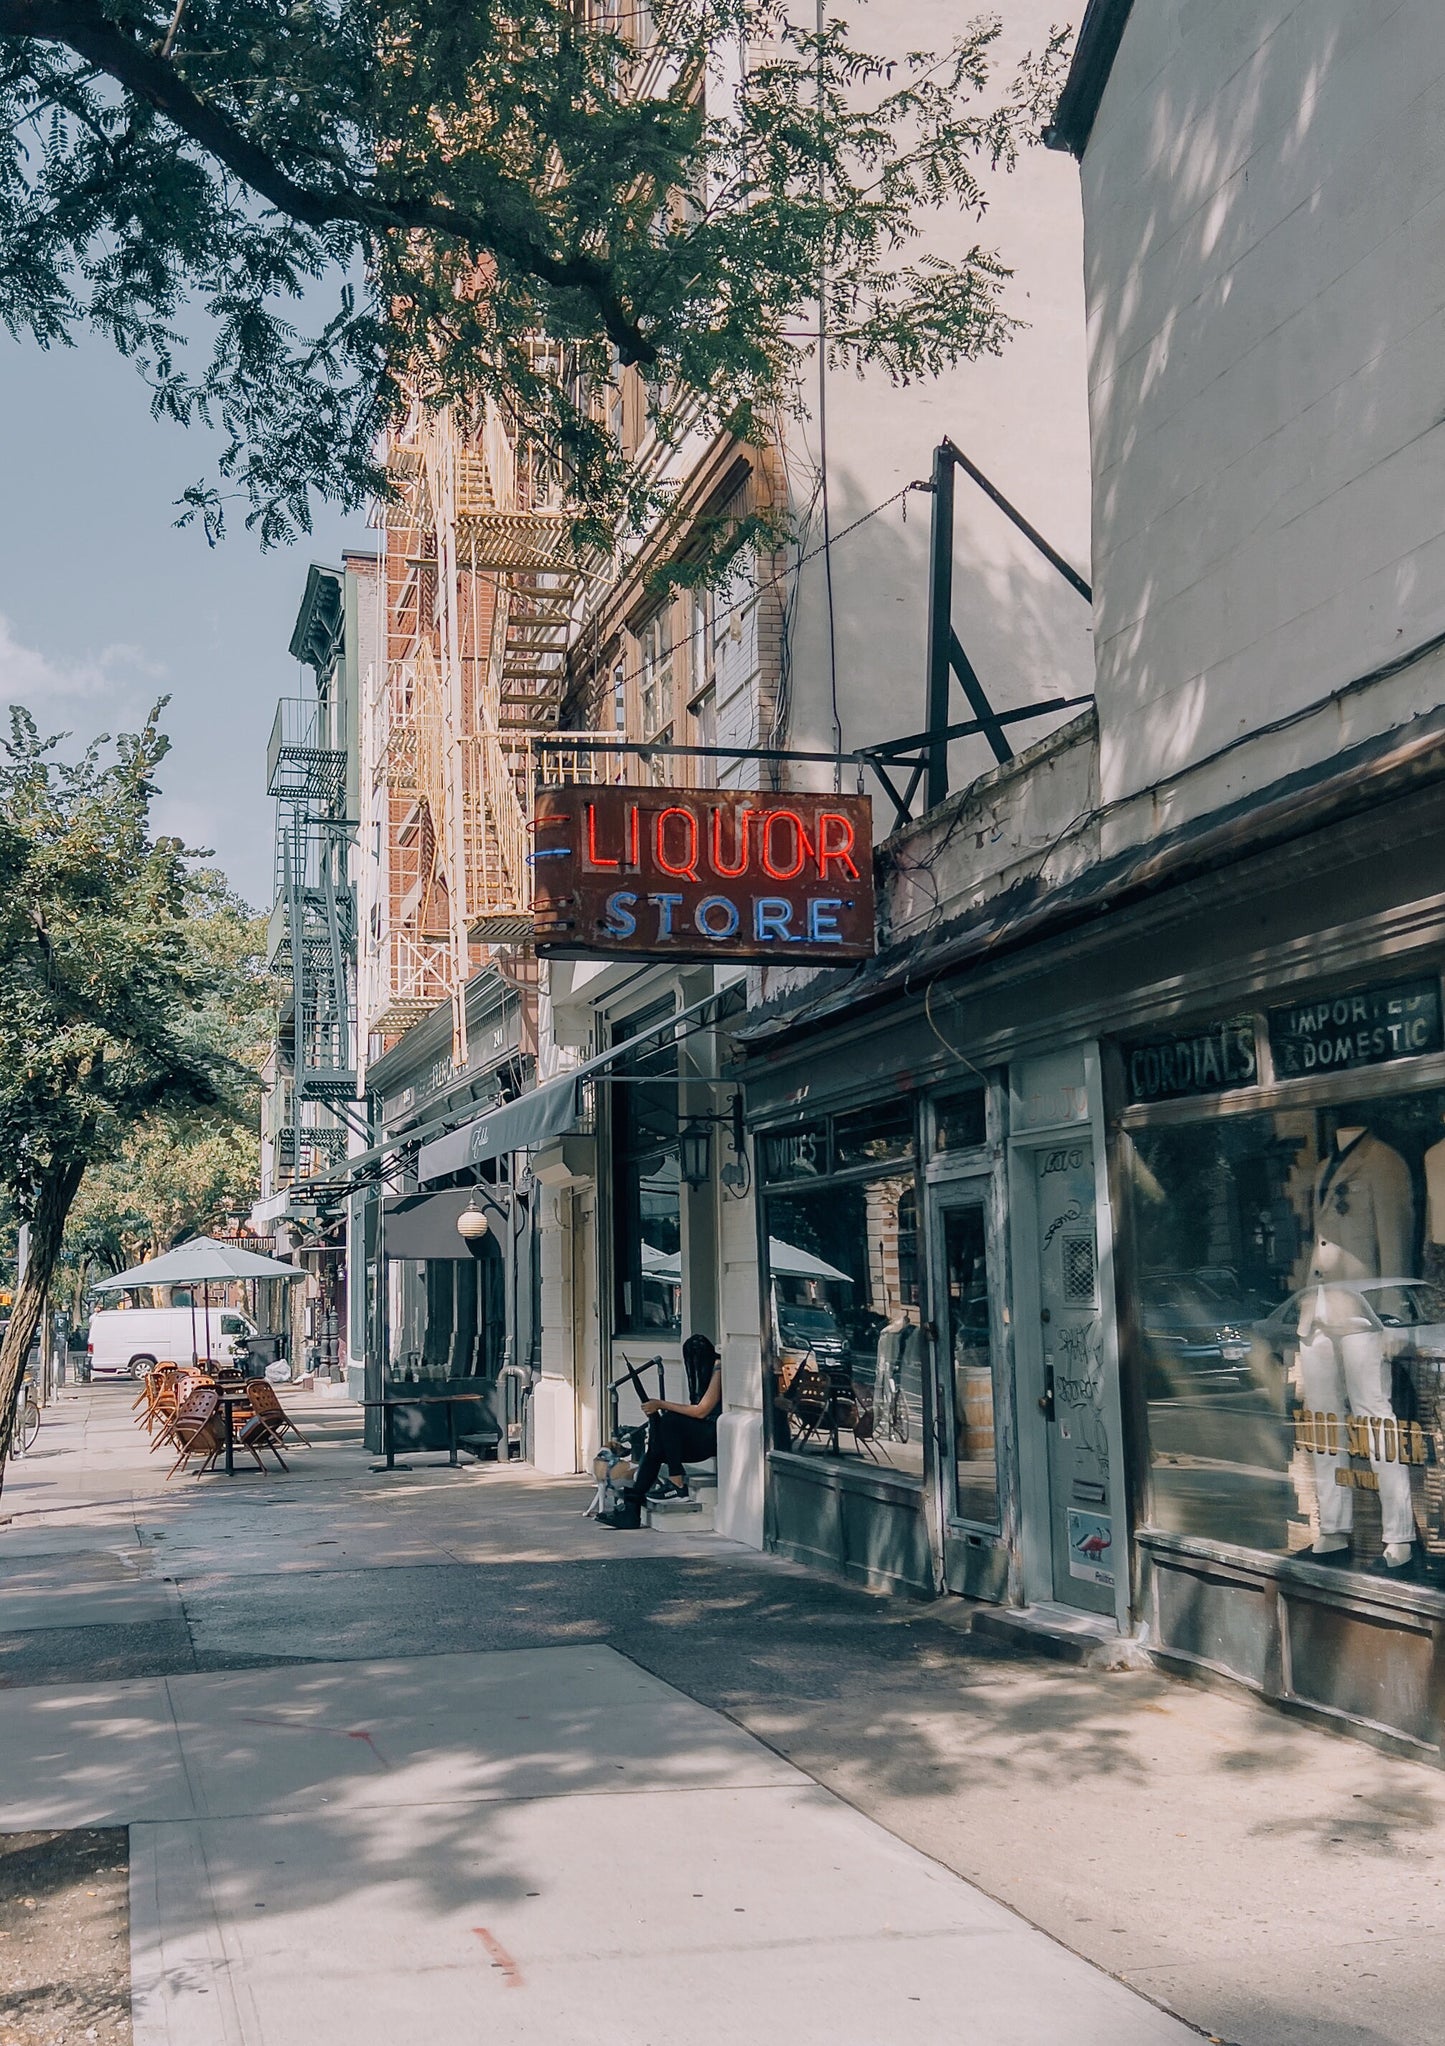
452 1730
514 1880
710 1919
107 1754
84 1595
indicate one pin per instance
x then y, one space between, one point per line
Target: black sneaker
668 1488
626 1513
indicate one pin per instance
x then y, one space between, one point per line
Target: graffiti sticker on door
1091 1547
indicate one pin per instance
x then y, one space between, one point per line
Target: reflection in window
647 1191
960 1121
848 1353
1290 1328
970 1351
871 1135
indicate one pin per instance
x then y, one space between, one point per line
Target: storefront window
960 1121
870 1135
970 1352
1289 1314
647 1191
847 1372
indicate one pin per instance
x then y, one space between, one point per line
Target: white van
124 1342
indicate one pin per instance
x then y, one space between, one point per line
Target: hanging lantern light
694 1145
472 1224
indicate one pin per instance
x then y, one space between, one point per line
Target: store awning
521 1125
552 1109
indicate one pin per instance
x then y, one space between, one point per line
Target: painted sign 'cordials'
703 873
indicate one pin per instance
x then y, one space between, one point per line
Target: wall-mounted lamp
694 1146
472 1224
694 1143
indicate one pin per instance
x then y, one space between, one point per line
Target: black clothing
673 1439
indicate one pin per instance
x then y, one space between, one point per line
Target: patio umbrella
203 1261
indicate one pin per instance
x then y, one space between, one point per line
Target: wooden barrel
975 1394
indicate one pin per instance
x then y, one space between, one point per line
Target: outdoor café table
450 1400
231 1396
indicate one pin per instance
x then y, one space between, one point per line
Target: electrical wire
823 435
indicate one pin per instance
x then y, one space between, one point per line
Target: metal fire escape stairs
488 672
312 938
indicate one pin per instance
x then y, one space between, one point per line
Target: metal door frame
1035 1533
972 1554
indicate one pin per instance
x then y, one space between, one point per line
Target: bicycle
895 1412
27 1421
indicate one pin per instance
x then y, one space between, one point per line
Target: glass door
968 1394
1081 1522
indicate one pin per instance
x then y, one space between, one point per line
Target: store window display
1289 1322
846 1374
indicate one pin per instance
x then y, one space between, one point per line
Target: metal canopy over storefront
548 1111
520 1125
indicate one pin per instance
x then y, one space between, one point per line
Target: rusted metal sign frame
702 874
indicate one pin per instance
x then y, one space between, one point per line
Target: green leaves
455 182
114 957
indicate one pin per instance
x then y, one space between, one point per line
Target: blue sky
104 605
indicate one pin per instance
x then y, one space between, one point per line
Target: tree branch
96 39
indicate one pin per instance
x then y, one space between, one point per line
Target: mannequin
1435 1213
1364 1227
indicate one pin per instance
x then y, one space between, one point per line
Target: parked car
126 1342
1197 1331
810 1325
1408 1313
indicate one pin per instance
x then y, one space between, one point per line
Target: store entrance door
1081 1525
965 1392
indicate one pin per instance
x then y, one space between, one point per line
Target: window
870 1135
969 1337
654 644
1288 1321
843 1285
960 1121
647 1189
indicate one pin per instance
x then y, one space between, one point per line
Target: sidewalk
387 1744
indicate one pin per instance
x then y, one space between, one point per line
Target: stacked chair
180 1408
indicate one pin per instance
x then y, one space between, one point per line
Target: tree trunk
57 1190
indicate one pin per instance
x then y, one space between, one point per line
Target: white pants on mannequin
1335 1369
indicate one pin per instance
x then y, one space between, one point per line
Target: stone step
697 1515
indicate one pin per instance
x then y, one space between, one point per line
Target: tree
107 999
467 179
185 1169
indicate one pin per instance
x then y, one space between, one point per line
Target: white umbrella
785 1261
203 1261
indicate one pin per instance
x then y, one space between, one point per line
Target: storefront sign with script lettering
703 874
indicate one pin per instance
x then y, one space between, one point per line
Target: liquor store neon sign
696 874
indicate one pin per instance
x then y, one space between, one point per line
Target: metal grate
1078 1252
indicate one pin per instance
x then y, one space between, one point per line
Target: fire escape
480 591
311 942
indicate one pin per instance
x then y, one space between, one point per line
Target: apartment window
655 652
702 674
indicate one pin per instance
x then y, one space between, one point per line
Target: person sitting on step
677 1435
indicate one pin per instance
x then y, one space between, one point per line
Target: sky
104 605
